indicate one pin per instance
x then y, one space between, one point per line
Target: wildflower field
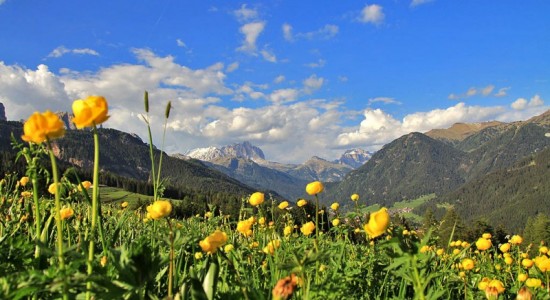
57 240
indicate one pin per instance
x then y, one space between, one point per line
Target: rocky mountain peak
237 150
354 157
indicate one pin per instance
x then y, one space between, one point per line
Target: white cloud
232 67
419 2
62 50
279 79
245 14
473 91
502 92
313 83
181 43
287 32
319 64
284 95
385 100
372 14
326 32
2 2
522 103
269 56
251 32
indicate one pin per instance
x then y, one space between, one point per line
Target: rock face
67 120
2 112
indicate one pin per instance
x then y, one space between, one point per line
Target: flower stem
171 263
95 209
58 223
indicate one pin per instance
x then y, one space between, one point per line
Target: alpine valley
495 171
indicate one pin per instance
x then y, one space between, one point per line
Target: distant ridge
460 131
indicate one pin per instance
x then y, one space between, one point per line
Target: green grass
405 207
114 195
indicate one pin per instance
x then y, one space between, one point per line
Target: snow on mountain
354 157
238 150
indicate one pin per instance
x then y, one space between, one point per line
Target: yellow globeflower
228 248
198 255
527 263
378 223
307 228
53 187
42 126
335 222
543 263
86 184
124 204
533 282
482 285
301 202
467 264
26 194
256 199
272 246
66 213
522 277
245 226
90 111
516 240
288 230
543 249
504 248
508 260
283 205
354 197
335 206
214 241
483 244
24 180
314 188
159 209
497 284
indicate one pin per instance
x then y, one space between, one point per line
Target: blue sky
296 78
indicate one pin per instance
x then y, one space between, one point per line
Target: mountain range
247 163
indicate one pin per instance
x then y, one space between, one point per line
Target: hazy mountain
320 169
354 158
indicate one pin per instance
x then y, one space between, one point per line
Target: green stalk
36 213
166 115
58 223
95 209
171 263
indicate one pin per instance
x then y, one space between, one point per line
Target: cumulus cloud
313 83
372 14
251 31
62 50
284 95
268 55
473 91
522 103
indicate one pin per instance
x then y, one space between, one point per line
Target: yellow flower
86 184
103 261
159 209
24 180
508 260
198 255
307 228
40 127
482 285
53 187
524 294
283 205
335 222
301 202
228 248
543 263
354 197
522 277
285 287
527 263
214 241
467 264
314 188
124 204
440 251
483 244
335 206
261 221
505 247
287 231
66 213
26 194
516 240
456 251
378 223
90 111
533 282
543 249
497 284
272 246
486 236
256 199
245 226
